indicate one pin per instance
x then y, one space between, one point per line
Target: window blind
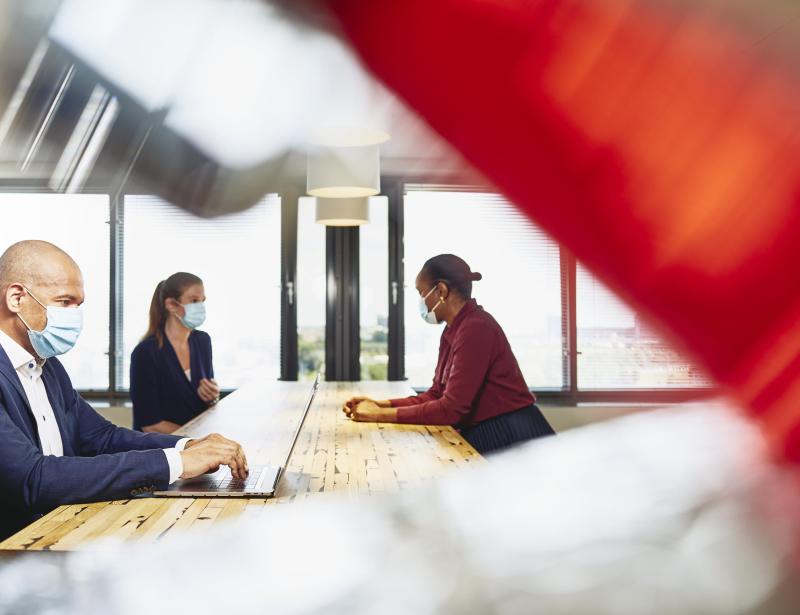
521 285
238 258
618 350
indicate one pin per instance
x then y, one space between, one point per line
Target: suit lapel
8 372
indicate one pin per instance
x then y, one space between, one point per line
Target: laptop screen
302 420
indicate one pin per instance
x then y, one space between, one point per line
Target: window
311 290
521 284
374 281
238 258
618 351
78 224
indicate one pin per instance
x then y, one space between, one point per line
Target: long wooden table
333 455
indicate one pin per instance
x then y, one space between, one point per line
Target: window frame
40 186
569 394
394 188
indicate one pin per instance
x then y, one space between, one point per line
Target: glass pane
619 351
78 224
239 259
310 290
521 285
374 279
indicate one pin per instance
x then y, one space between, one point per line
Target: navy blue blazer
160 391
101 461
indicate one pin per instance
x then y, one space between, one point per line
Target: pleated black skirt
500 432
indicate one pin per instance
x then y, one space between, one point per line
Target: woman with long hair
172 376
478 386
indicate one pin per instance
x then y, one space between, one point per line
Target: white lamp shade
341 172
353 211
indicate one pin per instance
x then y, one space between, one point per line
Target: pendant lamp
350 211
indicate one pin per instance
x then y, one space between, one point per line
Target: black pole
342 322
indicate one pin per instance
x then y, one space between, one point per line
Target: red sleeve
473 351
428 395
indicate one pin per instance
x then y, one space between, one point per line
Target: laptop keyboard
234 484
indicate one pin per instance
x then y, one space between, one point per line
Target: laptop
261 482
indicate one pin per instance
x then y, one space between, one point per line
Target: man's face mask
64 326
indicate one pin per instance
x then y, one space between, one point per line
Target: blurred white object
237 78
344 136
675 511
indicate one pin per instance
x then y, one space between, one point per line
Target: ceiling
211 118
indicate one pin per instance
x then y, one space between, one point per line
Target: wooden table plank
45 541
27 537
162 520
188 518
333 455
108 522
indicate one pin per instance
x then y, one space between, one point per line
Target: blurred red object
658 142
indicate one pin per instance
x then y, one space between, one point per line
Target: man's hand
208 390
369 411
207 454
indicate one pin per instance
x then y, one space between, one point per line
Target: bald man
54 448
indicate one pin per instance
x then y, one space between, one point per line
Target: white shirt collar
18 356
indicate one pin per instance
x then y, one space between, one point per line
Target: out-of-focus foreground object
207 104
657 140
677 511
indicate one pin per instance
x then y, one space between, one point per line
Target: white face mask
64 325
427 316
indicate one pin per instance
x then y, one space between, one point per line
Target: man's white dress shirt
29 371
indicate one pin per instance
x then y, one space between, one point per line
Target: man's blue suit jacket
100 462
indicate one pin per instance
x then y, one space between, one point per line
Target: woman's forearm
161 427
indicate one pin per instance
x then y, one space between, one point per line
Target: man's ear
13 294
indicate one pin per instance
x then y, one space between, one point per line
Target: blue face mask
64 326
195 315
427 316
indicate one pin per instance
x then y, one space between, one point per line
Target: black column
342 322
393 189
289 205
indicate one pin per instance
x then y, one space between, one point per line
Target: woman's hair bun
453 271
